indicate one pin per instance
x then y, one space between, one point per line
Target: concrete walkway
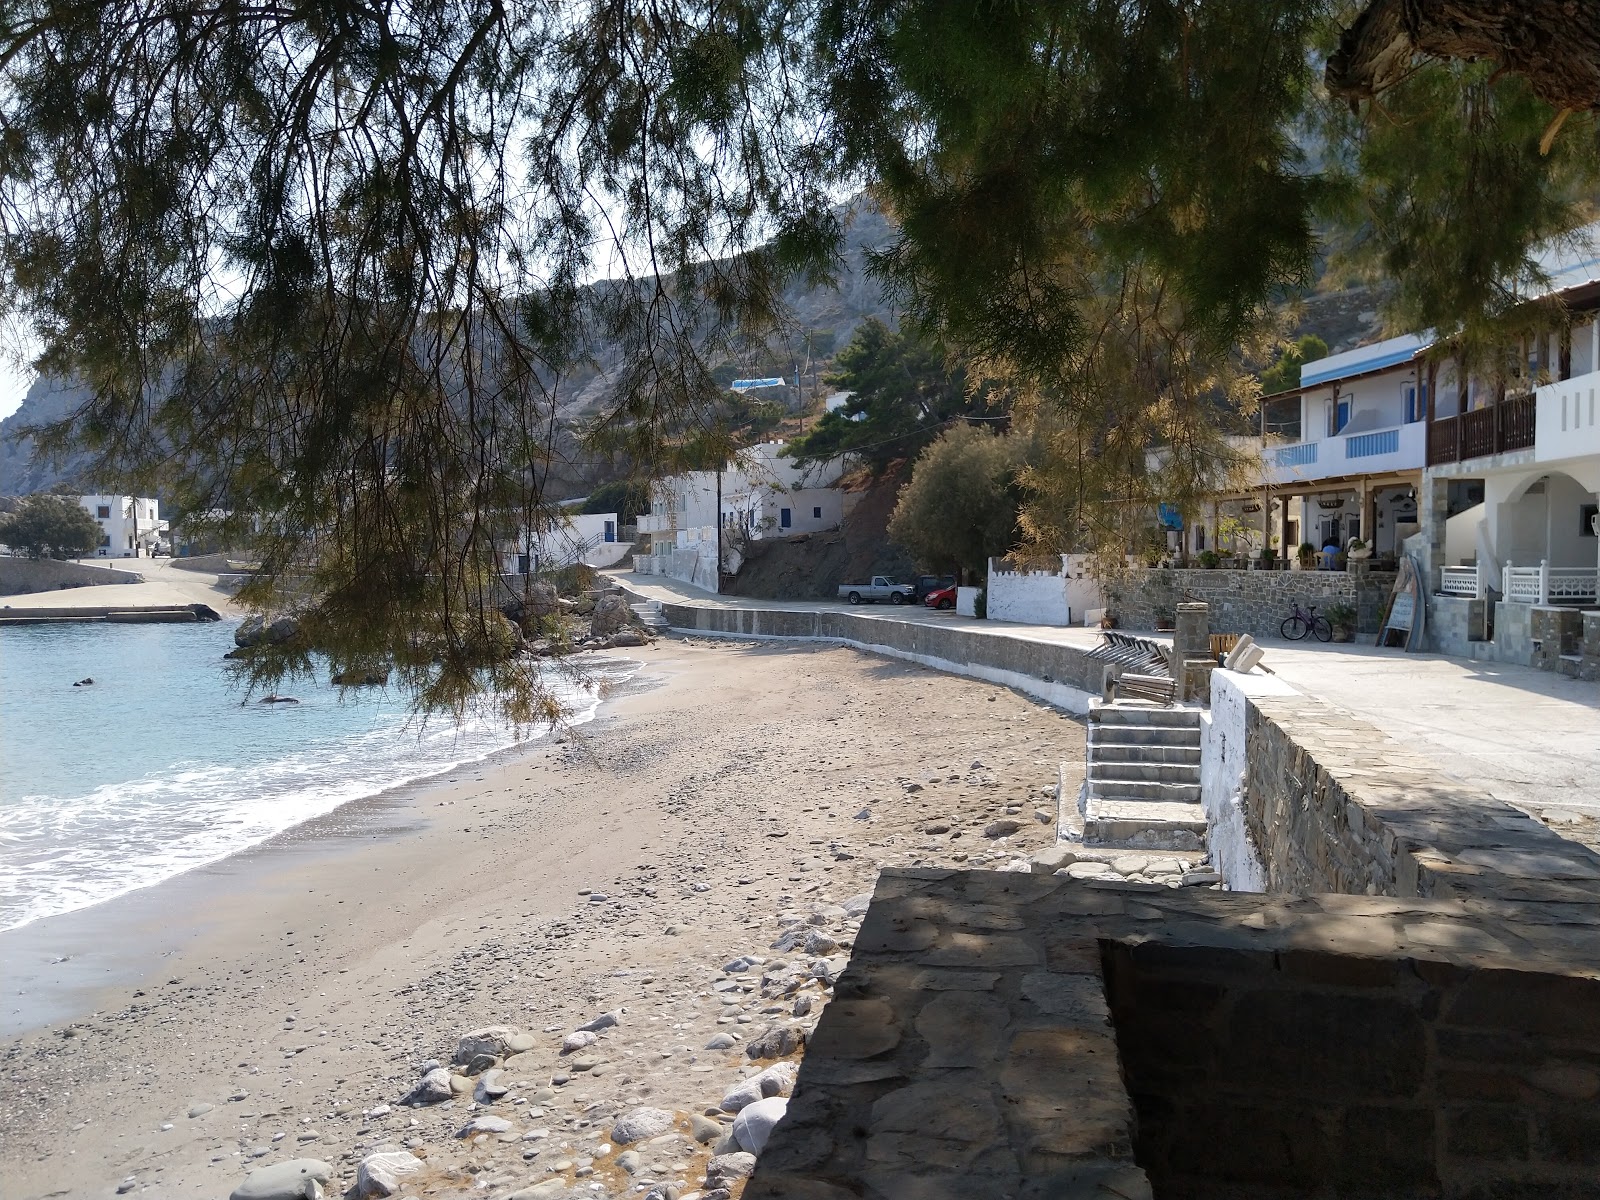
1530 738
165 585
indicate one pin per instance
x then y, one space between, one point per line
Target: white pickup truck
881 588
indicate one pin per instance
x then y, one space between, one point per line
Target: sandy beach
279 1003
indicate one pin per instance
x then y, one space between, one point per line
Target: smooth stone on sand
493 1040
725 1168
433 1087
379 1174
579 1040
776 1041
491 1086
296 1179
640 1124
485 1123
720 1041
200 1110
1004 827
605 1020
754 1124
704 1129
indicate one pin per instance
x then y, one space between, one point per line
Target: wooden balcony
1507 425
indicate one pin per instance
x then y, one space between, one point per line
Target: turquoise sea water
159 767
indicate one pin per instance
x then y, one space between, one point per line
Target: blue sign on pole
1169 516
744 385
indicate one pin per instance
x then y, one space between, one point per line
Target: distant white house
762 495
130 526
568 538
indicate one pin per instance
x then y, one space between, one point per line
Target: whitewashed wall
1222 767
1044 597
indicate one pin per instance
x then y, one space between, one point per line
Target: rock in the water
776 1041
375 677
380 1174
297 1179
640 1124
493 1040
485 1123
611 613
1004 827
726 1168
431 1089
753 1125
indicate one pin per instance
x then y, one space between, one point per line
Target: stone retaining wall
1333 804
25 576
1065 676
1253 602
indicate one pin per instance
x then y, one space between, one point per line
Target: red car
941 598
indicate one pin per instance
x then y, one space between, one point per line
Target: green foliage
622 496
960 508
1210 559
329 268
1284 374
1341 614
904 391
49 525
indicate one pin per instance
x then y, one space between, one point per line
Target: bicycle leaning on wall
1302 621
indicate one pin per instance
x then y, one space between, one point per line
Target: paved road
164 585
1529 737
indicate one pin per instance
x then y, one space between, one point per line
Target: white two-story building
130 526
760 494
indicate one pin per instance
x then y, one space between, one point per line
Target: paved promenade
1528 737
165 585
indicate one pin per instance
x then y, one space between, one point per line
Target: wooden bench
1155 688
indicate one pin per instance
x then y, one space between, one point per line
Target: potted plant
1267 559
1343 619
1306 556
1210 560
1357 550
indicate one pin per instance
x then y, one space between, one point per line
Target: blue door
611 531
785 517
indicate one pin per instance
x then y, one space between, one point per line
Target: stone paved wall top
972 1049
1253 602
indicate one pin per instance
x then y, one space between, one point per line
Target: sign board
744 385
1407 612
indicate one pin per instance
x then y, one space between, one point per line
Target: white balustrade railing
1545 584
1459 581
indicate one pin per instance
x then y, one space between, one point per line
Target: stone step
1143 825
1141 714
1137 792
1145 735
1144 772
1109 752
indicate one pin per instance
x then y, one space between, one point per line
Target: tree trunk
1555 44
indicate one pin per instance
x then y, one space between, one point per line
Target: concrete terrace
1527 737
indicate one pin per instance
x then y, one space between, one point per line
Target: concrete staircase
1142 782
650 613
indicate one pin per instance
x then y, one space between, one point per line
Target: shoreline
687 825
64 962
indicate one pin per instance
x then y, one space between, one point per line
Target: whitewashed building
758 495
593 539
130 526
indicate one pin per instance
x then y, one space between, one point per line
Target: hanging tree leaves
331 266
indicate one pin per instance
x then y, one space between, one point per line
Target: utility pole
719 527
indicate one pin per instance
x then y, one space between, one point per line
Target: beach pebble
606 1020
199 1110
857 906
380 1174
630 1161
864 815
819 943
720 1041
296 1179
1002 828
578 1040
640 1124
491 1086
776 1080
704 1129
727 1168
433 1088
776 1041
755 1122
493 1040
484 1123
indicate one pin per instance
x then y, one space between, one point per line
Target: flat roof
1364 359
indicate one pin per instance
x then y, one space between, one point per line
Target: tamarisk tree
332 266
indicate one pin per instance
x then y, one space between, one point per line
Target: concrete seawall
1065 676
